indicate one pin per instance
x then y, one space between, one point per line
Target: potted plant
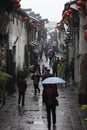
4 78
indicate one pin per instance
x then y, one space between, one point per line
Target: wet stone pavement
33 115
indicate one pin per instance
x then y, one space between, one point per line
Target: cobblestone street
33 115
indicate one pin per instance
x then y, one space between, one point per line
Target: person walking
72 69
60 69
53 63
43 69
54 66
36 80
36 65
47 74
36 77
46 55
22 85
66 72
50 94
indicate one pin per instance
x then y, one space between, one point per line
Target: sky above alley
51 9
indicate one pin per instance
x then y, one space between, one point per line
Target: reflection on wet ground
33 115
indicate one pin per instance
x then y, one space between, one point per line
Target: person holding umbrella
46 75
50 94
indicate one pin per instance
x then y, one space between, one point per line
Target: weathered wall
18 30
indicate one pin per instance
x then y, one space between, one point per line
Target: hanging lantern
79 7
79 3
85 35
16 2
32 25
17 5
67 14
25 18
70 11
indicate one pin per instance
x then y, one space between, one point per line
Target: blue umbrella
53 80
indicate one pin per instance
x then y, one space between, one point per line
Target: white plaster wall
14 32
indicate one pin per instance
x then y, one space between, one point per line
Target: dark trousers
51 109
55 73
72 74
21 97
67 77
36 87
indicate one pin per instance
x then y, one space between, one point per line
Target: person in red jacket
50 94
22 85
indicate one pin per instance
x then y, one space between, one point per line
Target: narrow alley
33 115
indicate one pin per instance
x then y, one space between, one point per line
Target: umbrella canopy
35 50
53 80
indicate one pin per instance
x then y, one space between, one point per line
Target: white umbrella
53 80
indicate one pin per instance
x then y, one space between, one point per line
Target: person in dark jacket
36 81
36 66
22 85
54 66
66 72
72 69
47 74
50 94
